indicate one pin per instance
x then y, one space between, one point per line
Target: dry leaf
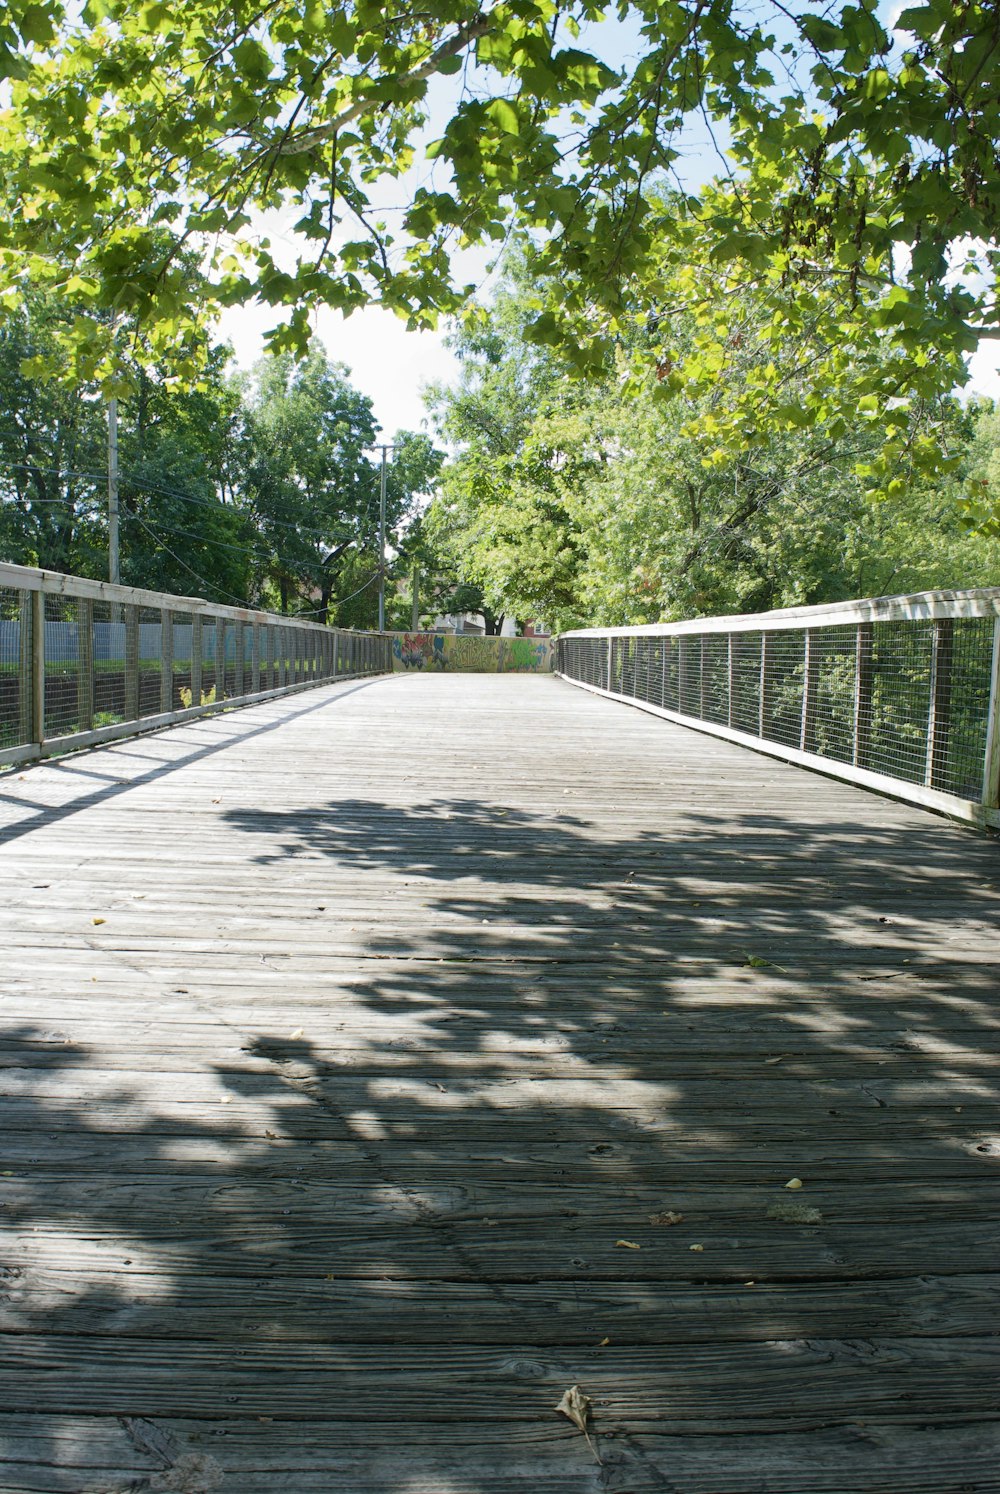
98 920
296 1034
794 1184
627 1245
576 1406
226 1100
698 1248
666 1216
604 1343
780 1058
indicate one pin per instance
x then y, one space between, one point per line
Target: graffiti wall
471 652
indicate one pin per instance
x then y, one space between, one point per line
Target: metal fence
899 694
84 662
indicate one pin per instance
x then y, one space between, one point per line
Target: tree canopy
258 487
751 483
142 141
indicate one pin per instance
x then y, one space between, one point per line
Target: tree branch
464 37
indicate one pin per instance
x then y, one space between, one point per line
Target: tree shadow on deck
433 1158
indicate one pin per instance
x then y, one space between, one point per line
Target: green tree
52 455
312 482
141 135
500 523
709 471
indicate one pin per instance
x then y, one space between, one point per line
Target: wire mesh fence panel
746 690
150 673
62 665
228 659
109 664
781 684
833 660
15 639
896 724
960 700
181 696
900 690
714 694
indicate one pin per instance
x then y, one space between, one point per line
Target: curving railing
83 662
897 694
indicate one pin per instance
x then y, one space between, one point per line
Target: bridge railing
83 662
898 694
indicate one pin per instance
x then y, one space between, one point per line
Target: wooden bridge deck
359 1048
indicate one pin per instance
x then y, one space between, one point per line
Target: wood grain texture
357 1045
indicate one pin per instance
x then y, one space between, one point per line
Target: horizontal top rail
919 606
54 583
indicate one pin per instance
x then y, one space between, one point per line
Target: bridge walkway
381 1062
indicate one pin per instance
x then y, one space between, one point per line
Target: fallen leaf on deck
794 1184
296 1034
98 920
756 962
666 1216
627 1245
698 1248
779 1059
226 1100
604 1343
576 1406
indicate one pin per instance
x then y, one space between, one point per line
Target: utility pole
114 573
381 545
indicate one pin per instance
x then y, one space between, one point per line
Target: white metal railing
898 694
83 661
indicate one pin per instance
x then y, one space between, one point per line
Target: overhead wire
190 535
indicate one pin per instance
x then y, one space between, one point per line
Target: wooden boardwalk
359 1049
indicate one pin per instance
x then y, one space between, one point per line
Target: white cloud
388 363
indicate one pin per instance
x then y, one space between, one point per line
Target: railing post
863 676
197 656
166 659
85 664
991 766
37 714
810 683
240 647
682 674
732 640
939 703
701 676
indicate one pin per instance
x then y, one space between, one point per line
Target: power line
152 487
219 508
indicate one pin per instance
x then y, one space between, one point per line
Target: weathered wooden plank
267 1456
283 1309
721 1389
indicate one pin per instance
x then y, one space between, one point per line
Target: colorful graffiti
471 653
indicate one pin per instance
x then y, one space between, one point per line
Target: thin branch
464 37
